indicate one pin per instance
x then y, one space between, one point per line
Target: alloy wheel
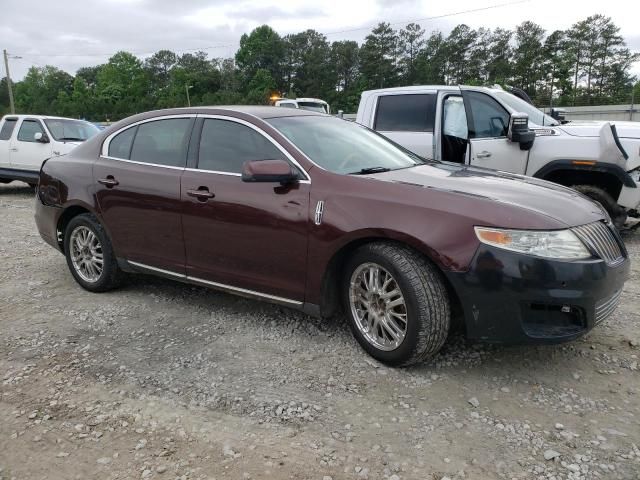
86 254
378 306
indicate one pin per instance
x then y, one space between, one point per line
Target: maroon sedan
320 214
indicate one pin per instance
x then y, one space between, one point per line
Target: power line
435 17
337 32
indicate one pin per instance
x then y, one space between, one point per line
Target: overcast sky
74 33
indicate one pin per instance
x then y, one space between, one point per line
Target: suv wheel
89 254
617 213
396 302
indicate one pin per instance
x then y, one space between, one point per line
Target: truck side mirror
558 114
519 131
40 137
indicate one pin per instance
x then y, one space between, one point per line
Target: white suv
28 140
492 128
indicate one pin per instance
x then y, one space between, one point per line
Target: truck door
488 123
408 120
27 153
6 132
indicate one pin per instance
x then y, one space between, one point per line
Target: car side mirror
519 131
271 171
40 137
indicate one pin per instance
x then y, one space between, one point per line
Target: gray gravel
165 380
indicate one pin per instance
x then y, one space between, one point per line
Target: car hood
592 129
564 205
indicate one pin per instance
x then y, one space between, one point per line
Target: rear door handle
201 193
109 182
484 154
13 149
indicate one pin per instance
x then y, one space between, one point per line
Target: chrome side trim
231 174
222 286
156 269
243 290
142 163
319 212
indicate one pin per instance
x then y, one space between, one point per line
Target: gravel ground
166 380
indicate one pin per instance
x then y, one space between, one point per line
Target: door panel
488 123
142 212
7 132
249 235
26 153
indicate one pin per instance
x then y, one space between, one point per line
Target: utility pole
186 89
6 69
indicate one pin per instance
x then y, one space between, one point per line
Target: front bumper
513 298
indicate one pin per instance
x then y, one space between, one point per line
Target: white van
28 140
313 104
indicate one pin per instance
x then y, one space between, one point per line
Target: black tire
111 275
616 212
428 310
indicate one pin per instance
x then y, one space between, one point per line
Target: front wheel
616 212
89 254
396 302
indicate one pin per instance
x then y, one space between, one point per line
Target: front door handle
484 154
109 182
14 149
201 193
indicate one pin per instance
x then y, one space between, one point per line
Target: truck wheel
396 302
616 212
90 256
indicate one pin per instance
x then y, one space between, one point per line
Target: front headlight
560 244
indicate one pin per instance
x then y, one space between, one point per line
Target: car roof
259 111
421 88
40 117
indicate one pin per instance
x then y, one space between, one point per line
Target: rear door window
7 128
120 145
226 145
406 113
28 129
162 142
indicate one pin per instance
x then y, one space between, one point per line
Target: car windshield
517 104
313 106
344 147
71 130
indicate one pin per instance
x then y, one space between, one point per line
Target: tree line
587 64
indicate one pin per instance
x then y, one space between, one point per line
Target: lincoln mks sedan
323 215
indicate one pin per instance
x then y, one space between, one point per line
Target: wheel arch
331 278
68 213
609 177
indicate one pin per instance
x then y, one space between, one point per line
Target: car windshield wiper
71 139
367 170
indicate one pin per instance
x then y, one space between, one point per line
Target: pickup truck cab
490 127
28 140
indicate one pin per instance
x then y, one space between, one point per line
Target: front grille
604 308
601 240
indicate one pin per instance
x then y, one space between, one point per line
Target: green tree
378 57
260 87
123 86
411 40
263 49
528 56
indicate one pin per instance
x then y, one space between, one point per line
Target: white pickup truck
492 128
28 140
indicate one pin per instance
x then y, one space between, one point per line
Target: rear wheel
396 302
616 212
89 254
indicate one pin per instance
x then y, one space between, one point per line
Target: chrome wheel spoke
86 254
378 306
